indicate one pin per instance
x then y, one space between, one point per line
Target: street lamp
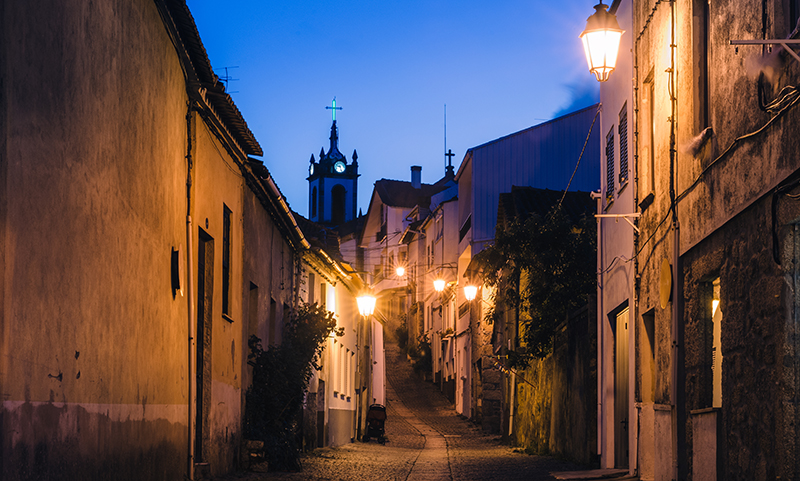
601 42
470 292
366 305
438 285
400 271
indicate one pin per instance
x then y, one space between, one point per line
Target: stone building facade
714 307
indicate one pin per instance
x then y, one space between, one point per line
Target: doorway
621 403
205 292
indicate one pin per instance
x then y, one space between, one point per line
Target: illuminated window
716 346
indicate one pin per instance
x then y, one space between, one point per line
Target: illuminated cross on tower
334 108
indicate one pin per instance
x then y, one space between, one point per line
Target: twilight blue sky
500 67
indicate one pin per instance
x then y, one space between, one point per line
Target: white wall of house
615 251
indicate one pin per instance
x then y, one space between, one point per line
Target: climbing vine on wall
541 269
274 402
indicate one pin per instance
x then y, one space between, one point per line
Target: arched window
313 202
338 194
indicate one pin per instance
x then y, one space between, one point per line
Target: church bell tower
332 183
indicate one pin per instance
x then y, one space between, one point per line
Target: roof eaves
200 68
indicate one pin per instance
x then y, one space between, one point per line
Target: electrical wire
588 134
735 142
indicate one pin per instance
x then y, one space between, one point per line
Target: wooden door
621 404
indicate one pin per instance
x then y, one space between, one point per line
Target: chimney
416 176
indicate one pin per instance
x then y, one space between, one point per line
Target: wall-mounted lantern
601 42
470 292
366 305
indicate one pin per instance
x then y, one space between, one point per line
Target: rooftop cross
449 156
334 108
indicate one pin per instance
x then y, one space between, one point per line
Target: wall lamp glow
400 271
470 292
601 41
366 305
438 285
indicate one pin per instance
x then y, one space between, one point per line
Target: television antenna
228 78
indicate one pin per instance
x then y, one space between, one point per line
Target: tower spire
333 152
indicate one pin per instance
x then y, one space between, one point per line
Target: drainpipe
511 407
190 291
601 425
675 335
635 257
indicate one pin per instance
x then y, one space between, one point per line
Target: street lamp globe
601 42
400 271
438 285
366 305
470 292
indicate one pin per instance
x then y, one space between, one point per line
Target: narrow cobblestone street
427 440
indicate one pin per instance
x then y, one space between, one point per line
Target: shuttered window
610 165
623 146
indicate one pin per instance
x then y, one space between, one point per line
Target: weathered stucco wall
218 184
556 410
94 350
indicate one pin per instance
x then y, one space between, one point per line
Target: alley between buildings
426 441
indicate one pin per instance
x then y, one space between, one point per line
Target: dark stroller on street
376 418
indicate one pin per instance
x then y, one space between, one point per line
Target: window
702 53
647 356
610 165
647 133
338 195
313 202
252 311
226 260
716 346
623 146
311 280
272 329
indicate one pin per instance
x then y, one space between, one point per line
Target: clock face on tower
338 167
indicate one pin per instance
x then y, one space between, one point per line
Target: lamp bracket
626 217
783 42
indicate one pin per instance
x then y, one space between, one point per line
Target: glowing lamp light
366 305
601 42
438 284
470 292
400 271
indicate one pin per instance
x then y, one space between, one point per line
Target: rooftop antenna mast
445 138
448 154
227 78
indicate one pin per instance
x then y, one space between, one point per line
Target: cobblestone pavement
427 440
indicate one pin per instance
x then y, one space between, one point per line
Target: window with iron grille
623 145
610 164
